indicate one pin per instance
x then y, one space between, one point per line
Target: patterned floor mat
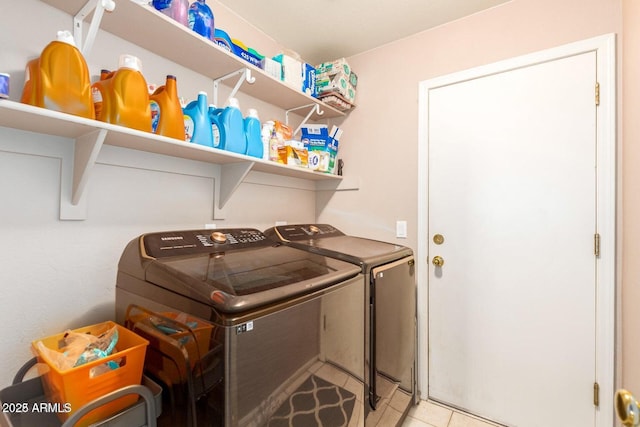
316 403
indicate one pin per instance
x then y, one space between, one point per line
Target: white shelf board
90 135
40 120
143 25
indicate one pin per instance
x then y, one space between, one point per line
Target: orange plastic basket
72 388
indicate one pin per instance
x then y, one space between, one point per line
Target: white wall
382 131
61 274
630 155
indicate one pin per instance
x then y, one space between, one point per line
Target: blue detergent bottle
233 123
201 19
252 131
217 130
197 125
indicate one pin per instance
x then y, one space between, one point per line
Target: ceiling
324 30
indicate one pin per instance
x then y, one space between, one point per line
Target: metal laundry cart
21 402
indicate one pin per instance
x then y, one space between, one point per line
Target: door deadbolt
438 261
438 239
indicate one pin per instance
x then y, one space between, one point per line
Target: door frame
606 281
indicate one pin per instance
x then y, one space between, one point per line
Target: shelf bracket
231 176
76 170
245 76
315 109
87 148
97 7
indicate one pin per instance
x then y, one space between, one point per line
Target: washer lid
238 273
327 240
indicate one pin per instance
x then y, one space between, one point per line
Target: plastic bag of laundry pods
76 349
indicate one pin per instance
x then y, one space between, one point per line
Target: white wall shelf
90 135
171 40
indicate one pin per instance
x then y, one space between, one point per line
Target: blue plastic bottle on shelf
233 123
217 130
252 130
197 126
201 19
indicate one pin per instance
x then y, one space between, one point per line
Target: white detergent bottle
265 135
252 129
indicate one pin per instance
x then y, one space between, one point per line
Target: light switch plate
401 229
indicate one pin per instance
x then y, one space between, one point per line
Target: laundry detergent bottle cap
201 19
166 113
130 61
218 131
124 96
59 79
233 123
197 125
66 37
252 131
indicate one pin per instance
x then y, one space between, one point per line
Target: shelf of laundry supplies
25 117
142 25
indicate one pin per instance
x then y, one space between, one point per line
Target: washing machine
245 331
388 274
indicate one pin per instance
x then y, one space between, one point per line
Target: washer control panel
306 231
189 242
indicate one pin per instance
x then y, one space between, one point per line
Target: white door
512 191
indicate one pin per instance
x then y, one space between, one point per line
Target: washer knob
219 237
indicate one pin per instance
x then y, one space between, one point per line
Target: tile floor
428 414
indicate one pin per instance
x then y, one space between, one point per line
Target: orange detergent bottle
122 97
95 92
59 79
167 118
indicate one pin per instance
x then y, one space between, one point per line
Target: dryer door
393 331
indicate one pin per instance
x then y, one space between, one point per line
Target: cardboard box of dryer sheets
309 80
291 70
322 145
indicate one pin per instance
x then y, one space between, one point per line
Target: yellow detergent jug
167 118
97 96
122 97
59 79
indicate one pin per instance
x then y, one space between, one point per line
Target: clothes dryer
388 272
